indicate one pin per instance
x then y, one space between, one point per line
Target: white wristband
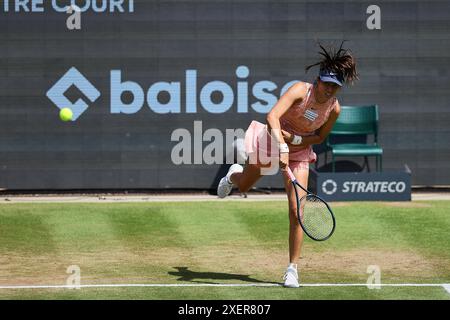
297 140
284 148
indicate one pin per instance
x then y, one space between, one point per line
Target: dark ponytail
338 61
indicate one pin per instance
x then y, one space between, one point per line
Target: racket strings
316 217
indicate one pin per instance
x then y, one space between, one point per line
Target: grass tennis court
220 242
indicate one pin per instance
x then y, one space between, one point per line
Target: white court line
447 287
103 198
444 285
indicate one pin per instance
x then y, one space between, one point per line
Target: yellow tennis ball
66 114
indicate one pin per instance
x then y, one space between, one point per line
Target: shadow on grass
185 274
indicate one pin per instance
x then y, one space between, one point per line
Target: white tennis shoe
291 278
225 185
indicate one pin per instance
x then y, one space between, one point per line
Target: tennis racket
313 213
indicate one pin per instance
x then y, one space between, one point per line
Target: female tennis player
303 116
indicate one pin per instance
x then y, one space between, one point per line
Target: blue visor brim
331 79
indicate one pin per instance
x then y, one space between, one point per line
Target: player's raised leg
243 178
301 172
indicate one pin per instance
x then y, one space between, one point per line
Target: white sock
292 265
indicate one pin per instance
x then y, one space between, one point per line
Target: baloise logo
73 78
265 94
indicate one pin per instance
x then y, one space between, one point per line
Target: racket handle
290 174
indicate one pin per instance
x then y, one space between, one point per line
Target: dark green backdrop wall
404 68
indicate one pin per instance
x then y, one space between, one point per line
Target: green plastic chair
356 120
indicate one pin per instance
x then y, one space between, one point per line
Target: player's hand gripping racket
313 213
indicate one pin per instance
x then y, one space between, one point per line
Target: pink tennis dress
302 118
